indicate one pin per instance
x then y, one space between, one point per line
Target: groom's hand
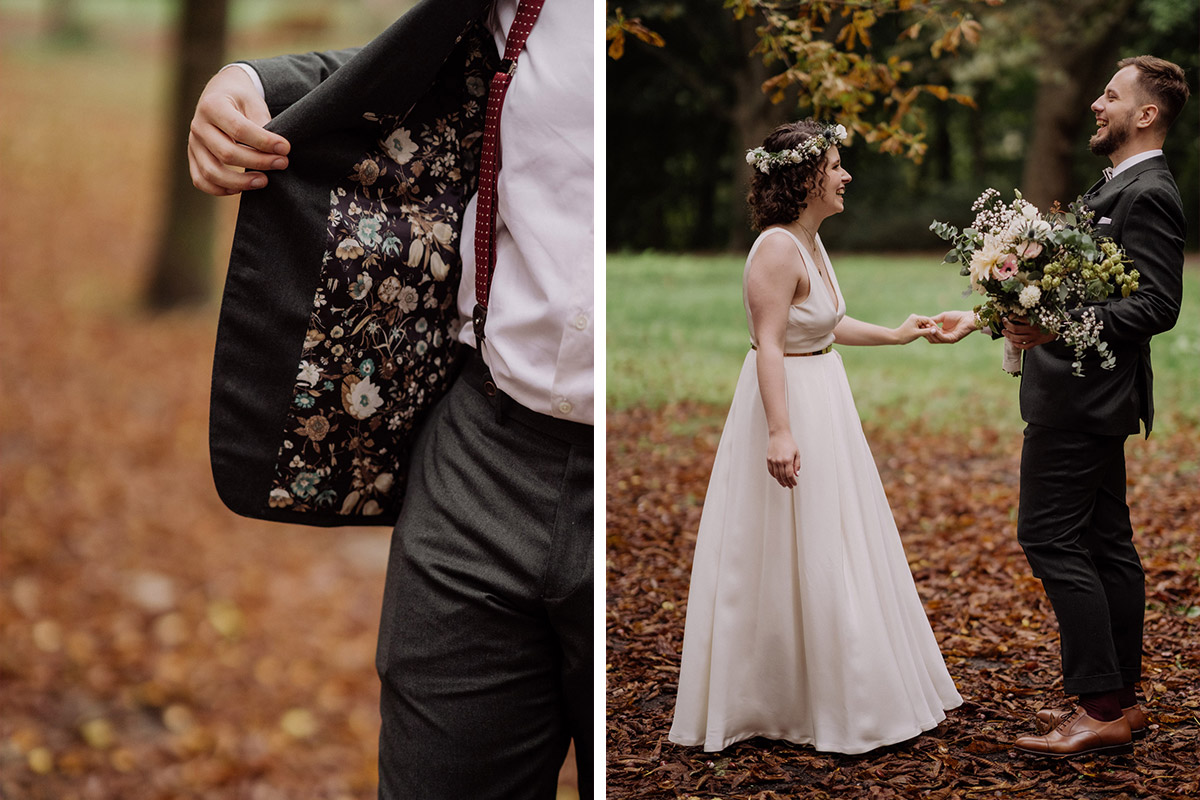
1023 335
954 325
228 148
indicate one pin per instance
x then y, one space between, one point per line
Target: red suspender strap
485 219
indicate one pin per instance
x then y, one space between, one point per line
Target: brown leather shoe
1048 718
1080 735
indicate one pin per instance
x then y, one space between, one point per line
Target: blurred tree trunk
753 116
977 133
63 22
1078 46
182 269
938 165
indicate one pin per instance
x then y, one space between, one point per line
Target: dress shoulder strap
784 231
809 259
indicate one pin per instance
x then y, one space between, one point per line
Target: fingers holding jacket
228 147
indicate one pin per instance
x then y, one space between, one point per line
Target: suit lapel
1103 194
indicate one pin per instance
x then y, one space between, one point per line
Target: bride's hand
783 459
916 326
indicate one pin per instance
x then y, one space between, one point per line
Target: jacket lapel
1103 195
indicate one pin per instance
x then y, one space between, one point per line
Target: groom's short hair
1163 83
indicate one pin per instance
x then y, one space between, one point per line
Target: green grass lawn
676 332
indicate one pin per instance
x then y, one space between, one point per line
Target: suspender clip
478 318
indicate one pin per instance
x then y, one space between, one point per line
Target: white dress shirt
540 338
1134 159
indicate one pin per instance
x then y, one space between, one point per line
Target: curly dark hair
777 197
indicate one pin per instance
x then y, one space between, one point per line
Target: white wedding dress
803 622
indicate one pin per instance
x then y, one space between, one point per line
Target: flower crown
813 147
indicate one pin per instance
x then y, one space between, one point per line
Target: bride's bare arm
775 277
856 332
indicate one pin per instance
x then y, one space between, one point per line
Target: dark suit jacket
336 328
1141 210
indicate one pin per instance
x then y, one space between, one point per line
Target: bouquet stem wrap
1011 363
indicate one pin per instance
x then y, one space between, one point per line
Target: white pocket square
1105 221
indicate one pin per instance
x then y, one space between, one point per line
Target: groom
1073 521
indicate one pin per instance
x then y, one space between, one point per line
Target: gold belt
821 352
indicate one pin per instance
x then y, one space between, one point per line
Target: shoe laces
1069 720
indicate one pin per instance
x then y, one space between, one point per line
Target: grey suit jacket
1141 210
338 318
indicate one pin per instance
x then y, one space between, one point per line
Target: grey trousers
485 643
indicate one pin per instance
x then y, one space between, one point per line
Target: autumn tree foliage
823 53
820 53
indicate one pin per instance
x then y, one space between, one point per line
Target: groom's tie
1108 173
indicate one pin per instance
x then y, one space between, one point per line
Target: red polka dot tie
485 219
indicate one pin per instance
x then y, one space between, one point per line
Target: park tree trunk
753 116
1078 55
182 270
63 22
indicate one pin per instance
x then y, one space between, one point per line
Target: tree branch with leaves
825 55
618 27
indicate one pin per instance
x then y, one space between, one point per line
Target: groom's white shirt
1134 159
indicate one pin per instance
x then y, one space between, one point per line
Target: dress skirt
803 622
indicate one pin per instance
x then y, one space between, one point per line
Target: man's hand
227 133
1023 335
954 326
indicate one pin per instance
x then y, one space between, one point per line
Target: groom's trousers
1073 524
485 644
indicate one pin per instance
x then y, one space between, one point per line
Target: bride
803 622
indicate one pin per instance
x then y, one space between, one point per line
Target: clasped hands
952 326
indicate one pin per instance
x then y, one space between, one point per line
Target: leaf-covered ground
954 498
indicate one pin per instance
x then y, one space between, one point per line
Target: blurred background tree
181 273
679 118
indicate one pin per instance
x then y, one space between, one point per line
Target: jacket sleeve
287 78
1153 238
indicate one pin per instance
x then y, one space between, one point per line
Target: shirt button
565 407
581 322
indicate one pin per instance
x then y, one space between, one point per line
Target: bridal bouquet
1041 267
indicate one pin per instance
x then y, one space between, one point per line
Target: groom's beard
1110 138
